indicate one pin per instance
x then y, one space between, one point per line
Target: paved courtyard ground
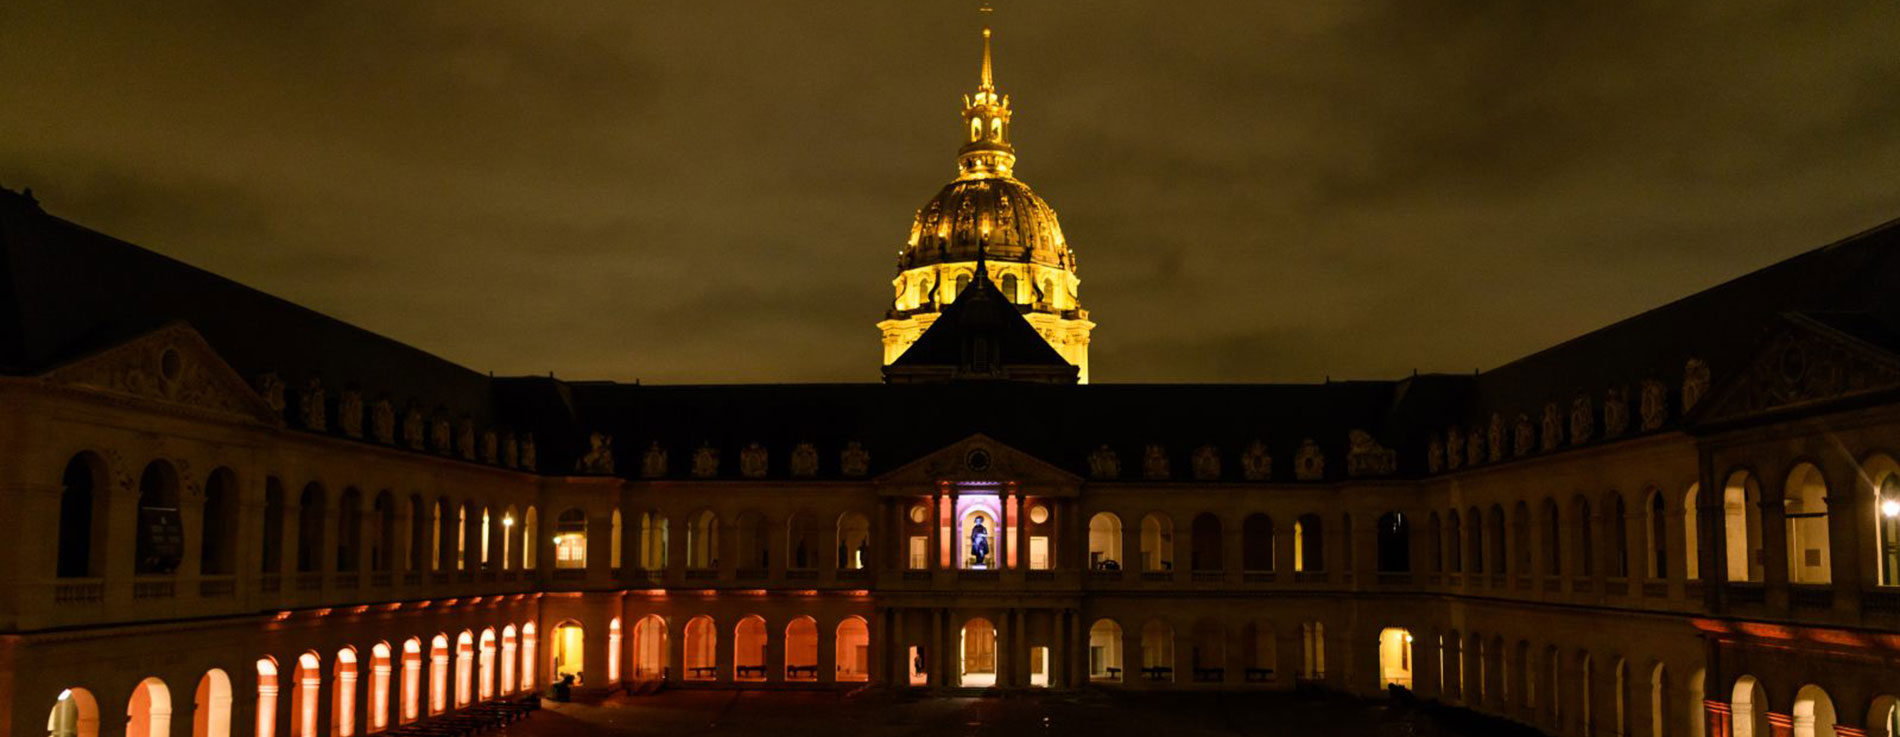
885 714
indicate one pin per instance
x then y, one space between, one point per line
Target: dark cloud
716 191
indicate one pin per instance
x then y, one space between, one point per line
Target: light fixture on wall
1890 508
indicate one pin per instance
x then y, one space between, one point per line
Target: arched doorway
748 649
439 674
411 680
1105 651
530 666
1395 657
702 648
509 647
267 689
565 650
379 669
978 648
801 649
464 669
1210 651
1157 651
75 714
649 648
211 713
1105 542
853 650
307 678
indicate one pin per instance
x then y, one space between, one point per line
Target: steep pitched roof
981 336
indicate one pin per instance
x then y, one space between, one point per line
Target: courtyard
875 713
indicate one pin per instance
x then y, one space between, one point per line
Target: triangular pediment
171 365
979 458
1808 363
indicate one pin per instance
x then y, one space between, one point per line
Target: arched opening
271 548
149 712
349 529
211 710
1313 650
565 647
570 539
1657 534
1210 651
1206 553
1157 651
702 648
508 546
1696 725
441 530
1263 652
649 648
1748 707
76 714
411 681
750 548
615 533
310 530
464 669
976 546
1157 543
854 542
1395 543
530 664
1105 651
1256 543
1691 548
1474 540
801 650
652 541
382 532
485 665
267 690
439 674
748 649
510 653
1887 531
308 677
343 694
1813 712
853 650
160 533
1454 542
82 514
1309 544
702 541
1741 525
978 648
962 283
1659 701
1500 557
1521 526
1586 539
1805 505
1883 719
379 671
1009 288
1553 538
530 544
801 542
613 650
1105 542
1395 657
217 549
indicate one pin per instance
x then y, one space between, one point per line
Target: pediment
171 365
1805 365
979 457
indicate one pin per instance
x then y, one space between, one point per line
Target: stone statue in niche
465 439
599 458
1256 464
1474 448
979 544
1582 419
527 453
349 413
1616 412
271 387
1435 455
1309 463
510 451
412 428
1207 463
1154 463
440 436
1366 457
1496 435
706 462
489 450
1525 436
310 405
1454 448
1104 464
804 460
854 460
752 461
1655 404
1553 426
1695 383
653 462
382 422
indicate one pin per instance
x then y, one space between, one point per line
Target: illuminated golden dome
1019 225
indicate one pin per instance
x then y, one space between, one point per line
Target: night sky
716 191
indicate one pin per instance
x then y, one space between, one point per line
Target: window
161 533
1395 543
81 511
1105 542
1889 521
570 539
1256 543
1309 544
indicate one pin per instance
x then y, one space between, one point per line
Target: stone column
676 648
1845 541
828 648
1133 660
775 643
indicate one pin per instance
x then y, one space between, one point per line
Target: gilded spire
986 151
988 82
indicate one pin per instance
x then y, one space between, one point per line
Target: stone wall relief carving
1616 412
1366 457
382 422
1454 448
490 447
270 386
1104 464
1524 438
1582 419
1207 463
1655 404
528 460
440 436
653 461
752 461
465 439
1154 463
1695 383
1309 463
510 451
1496 434
804 460
1435 455
706 462
1553 426
599 458
1474 448
1256 464
412 428
854 460
310 408
349 413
